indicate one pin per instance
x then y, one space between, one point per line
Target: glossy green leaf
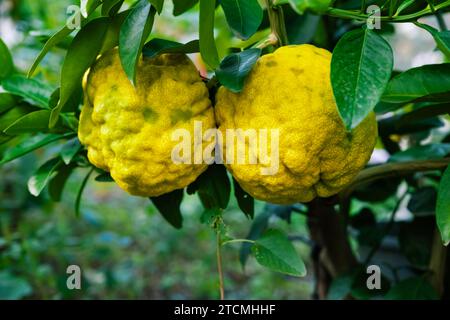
159 46
70 150
158 4
181 6
33 91
109 7
5 61
235 67
208 49
31 144
442 38
429 82
133 33
53 41
10 116
33 122
111 39
274 251
7 101
259 225
57 183
243 16
443 207
318 6
245 201
429 151
40 179
169 206
360 70
81 55
404 5
80 192
416 288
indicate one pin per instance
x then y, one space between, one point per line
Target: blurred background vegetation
123 246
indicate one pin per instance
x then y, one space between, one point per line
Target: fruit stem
277 24
219 266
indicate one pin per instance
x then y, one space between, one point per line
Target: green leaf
10 116
70 150
81 55
42 176
404 5
33 122
169 206
181 6
245 201
429 151
274 251
214 187
159 46
7 101
57 183
111 39
31 144
80 192
133 33
109 7
318 6
158 4
208 48
53 41
416 288
443 207
243 16
104 177
426 111
429 82
5 61
259 225
33 91
235 67
442 38
360 70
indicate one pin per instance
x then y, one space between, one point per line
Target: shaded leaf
80 192
104 177
429 151
159 46
158 4
235 67
169 206
416 288
274 251
443 207
214 187
57 183
181 6
109 7
7 101
361 66
245 201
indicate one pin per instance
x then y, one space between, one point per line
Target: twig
219 266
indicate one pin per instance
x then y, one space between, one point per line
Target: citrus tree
121 89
